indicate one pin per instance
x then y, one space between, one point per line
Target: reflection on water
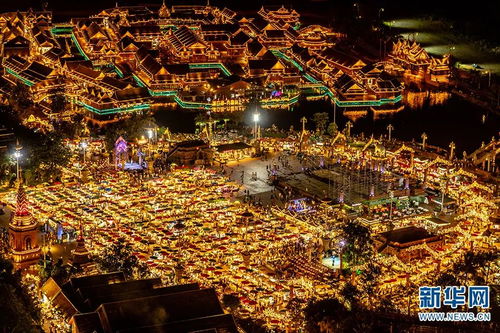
354 115
418 99
442 116
415 100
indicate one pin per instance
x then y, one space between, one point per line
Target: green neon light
289 101
329 92
191 105
216 65
117 70
170 26
114 110
23 80
310 78
162 92
73 38
283 56
379 102
61 30
140 83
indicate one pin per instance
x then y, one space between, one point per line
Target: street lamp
17 156
342 245
256 117
380 11
84 146
356 5
391 196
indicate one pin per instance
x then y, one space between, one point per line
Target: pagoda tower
80 253
164 12
23 233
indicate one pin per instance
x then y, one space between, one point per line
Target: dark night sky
477 18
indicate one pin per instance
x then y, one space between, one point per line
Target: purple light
276 93
120 146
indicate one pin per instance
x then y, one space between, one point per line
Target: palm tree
369 281
350 294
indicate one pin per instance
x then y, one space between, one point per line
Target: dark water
457 120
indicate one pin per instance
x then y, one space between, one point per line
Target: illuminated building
404 242
110 303
418 64
132 58
233 151
281 16
317 37
23 233
80 255
193 152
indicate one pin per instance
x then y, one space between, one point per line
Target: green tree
119 257
130 129
18 313
7 169
231 301
350 294
57 102
359 245
325 312
332 129
320 119
447 279
369 281
20 99
46 155
474 268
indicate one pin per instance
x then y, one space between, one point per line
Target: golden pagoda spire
23 233
21 216
164 12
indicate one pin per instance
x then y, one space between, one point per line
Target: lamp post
256 117
17 155
391 195
356 5
209 125
342 245
84 146
380 11
150 134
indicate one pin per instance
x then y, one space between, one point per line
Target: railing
216 65
77 44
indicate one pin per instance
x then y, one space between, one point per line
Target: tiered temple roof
410 52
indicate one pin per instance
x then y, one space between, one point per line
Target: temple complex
132 58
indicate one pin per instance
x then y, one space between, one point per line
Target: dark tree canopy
320 119
119 257
17 311
359 246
